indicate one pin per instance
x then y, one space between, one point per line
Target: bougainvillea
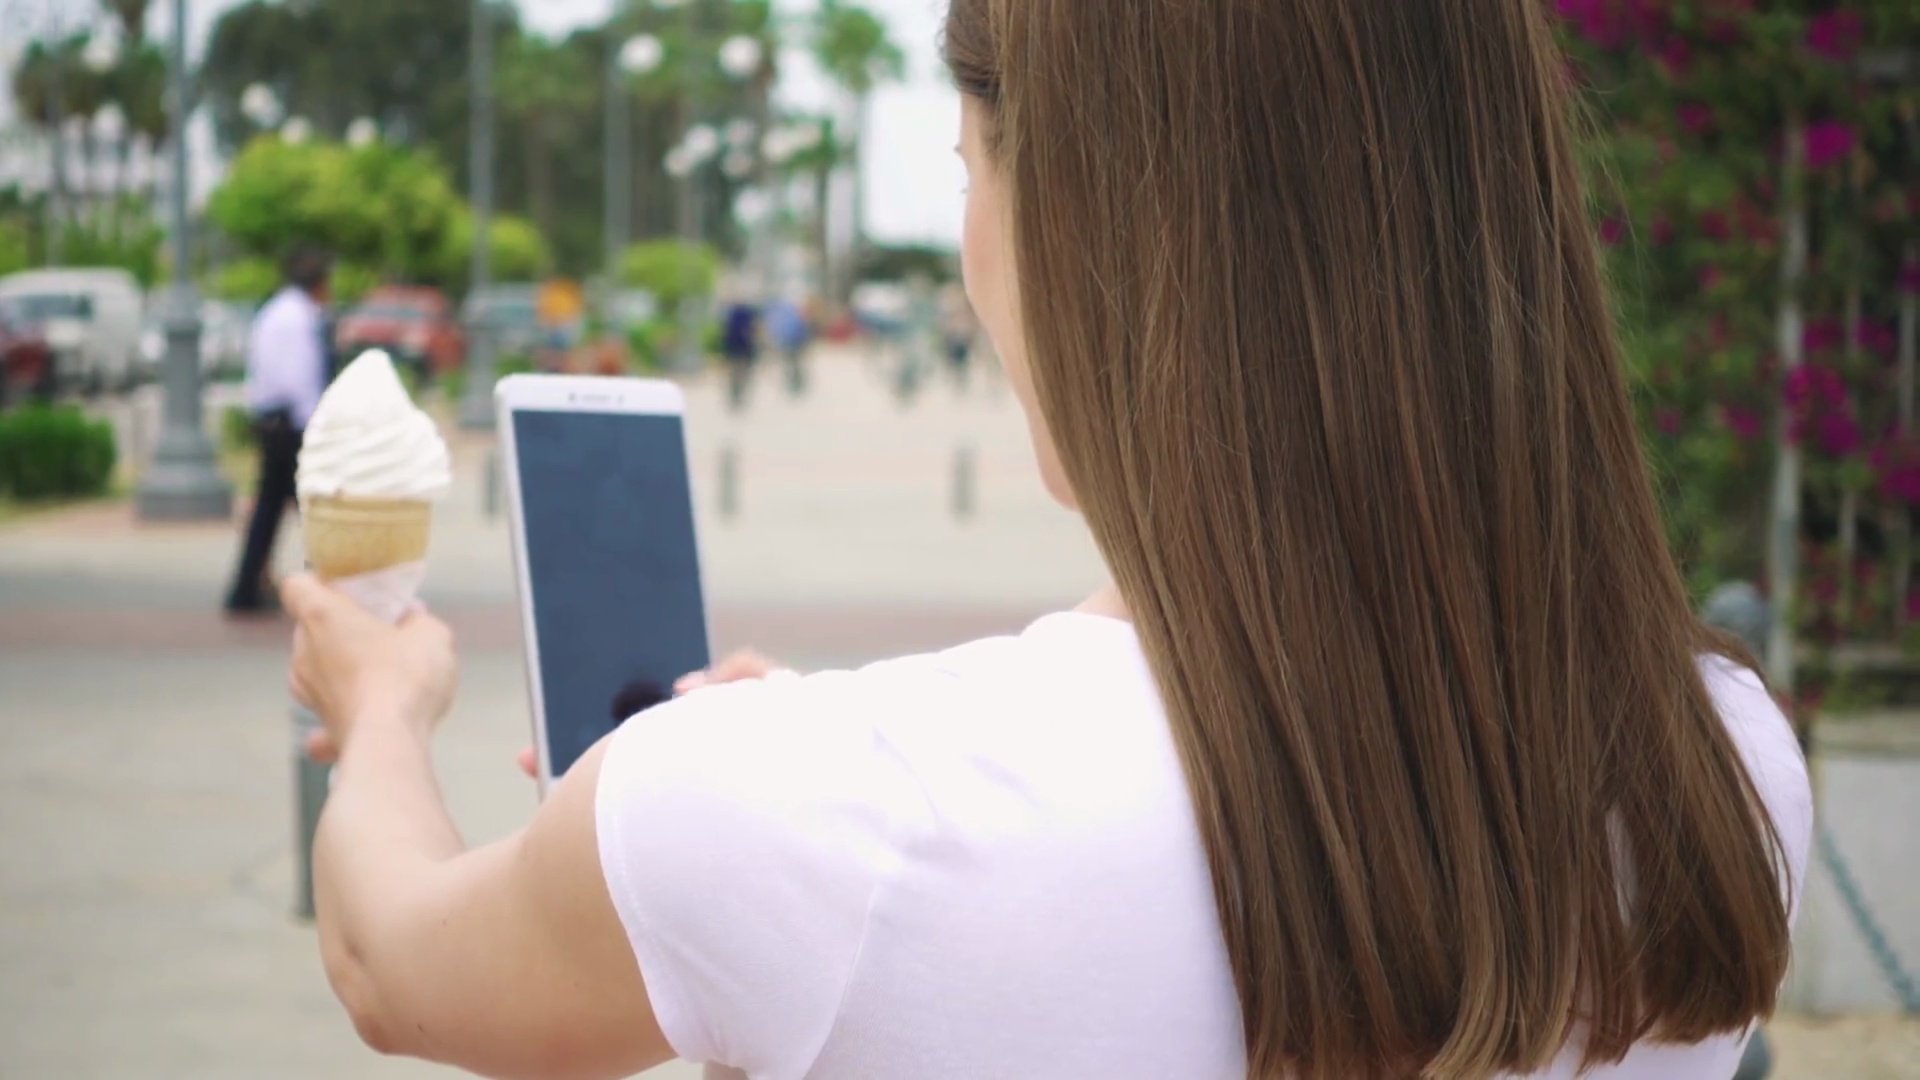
1713 121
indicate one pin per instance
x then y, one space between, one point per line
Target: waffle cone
349 537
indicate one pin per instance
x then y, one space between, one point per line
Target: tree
854 48
545 88
402 63
384 208
132 16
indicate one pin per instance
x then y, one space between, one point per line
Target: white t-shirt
982 863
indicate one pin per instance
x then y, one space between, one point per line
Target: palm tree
542 85
132 15
854 48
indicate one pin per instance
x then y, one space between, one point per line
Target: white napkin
387 594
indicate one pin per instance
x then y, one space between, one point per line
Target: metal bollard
490 486
964 482
310 781
729 481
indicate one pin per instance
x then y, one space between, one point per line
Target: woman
1392 750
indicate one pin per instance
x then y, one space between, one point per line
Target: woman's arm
506 960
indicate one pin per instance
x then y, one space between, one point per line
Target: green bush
248 280
236 429
651 344
670 270
48 453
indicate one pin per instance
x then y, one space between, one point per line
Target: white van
91 319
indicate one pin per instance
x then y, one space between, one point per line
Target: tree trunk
540 197
829 283
857 254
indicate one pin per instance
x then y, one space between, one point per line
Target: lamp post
739 58
476 406
182 482
639 56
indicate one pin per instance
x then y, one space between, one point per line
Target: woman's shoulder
1770 750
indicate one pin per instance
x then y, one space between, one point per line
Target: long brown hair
1315 320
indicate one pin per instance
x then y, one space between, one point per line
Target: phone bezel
575 394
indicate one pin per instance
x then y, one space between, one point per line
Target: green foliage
672 271
16 248
651 343
518 252
351 282
854 48
125 238
1695 103
248 280
903 262
385 208
236 429
48 453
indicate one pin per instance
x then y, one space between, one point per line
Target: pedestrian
740 347
958 328
287 368
1390 747
788 330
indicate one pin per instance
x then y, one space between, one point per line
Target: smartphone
606 561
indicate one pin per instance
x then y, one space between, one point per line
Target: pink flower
1913 603
1610 24
1710 277
1828 142
1824 589
1746 424
1909 279
1837 434
1821 335
1696 118
1714 226
1661 233
1835 35
1668 422
1877 336
1813 385
1675 57
1896 464
1613 230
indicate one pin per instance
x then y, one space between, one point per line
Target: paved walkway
145 874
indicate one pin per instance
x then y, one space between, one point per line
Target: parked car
223 338
414 324
91 320
26 361
512 313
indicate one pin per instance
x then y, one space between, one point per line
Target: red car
26 360
414 324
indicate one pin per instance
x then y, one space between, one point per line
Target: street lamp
182 482
639 56
364 131
261 105
296 131
101 54
476 405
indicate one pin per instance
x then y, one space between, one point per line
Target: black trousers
279 457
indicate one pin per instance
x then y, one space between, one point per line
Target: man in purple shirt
286 372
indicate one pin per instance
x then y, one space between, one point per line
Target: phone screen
613 571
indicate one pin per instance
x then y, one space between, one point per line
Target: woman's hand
743 666
349 667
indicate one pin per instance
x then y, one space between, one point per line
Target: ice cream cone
348 537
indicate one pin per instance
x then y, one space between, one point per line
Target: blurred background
760 200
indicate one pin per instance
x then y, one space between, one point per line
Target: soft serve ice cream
371 467
367 440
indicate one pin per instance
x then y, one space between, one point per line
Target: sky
914 180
